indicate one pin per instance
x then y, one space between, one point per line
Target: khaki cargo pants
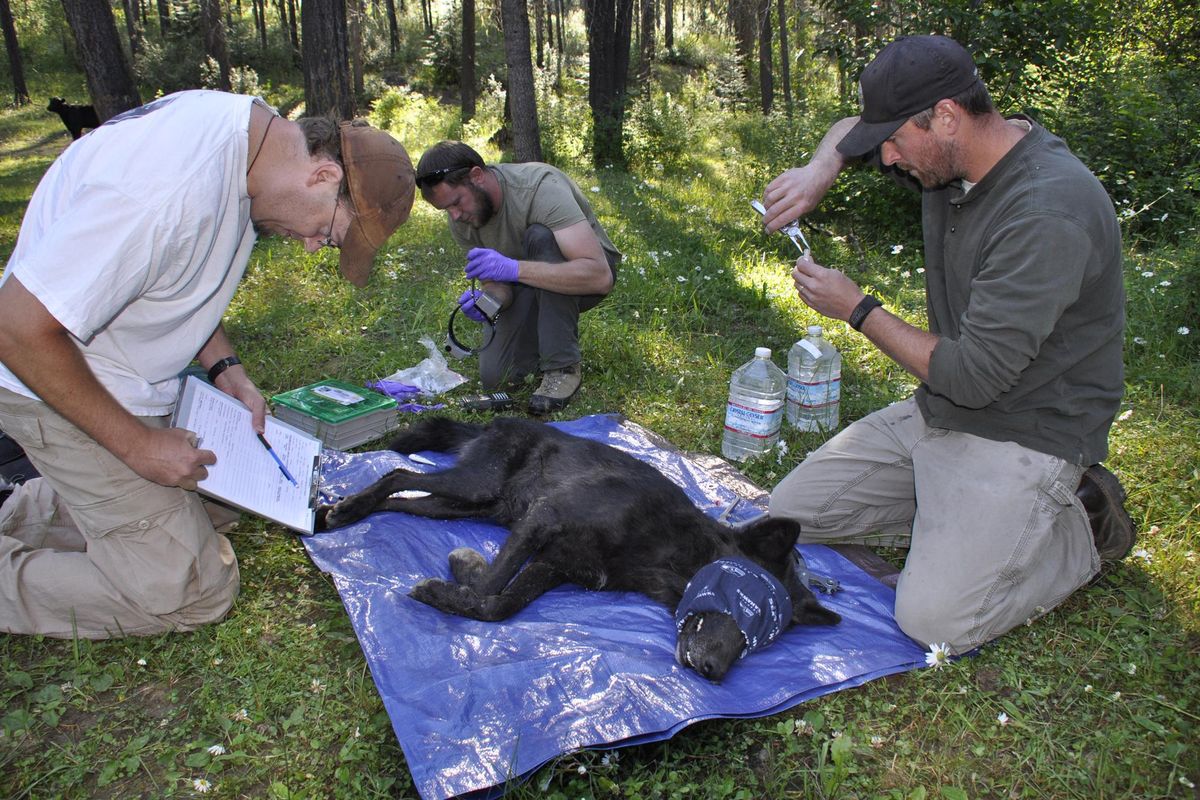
94 550
994 532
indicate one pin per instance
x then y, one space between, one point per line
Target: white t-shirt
136 238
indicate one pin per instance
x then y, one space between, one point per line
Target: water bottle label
814 395
810 347
755 422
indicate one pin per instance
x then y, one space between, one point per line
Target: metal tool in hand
490 308
791 230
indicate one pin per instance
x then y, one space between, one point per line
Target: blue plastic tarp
477 704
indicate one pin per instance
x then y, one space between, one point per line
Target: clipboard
245 475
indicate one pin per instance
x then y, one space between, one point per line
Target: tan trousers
94 550
996 536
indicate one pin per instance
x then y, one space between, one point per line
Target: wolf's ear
770 540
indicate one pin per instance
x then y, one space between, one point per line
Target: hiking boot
1103 498
557 388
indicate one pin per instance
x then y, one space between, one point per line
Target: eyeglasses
435 177
328 240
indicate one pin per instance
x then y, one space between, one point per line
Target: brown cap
379 175
908 76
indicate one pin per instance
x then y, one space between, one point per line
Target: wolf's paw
466 565
344 512
453 598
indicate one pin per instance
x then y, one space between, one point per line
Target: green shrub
564 120
660 134
416 120
489 114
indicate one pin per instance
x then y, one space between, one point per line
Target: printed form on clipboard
245 474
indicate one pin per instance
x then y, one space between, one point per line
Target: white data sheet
245 474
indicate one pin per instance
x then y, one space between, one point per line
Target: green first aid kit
340 414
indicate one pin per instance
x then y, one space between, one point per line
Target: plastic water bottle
754 412
814 386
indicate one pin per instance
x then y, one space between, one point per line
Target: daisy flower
216 750
201 785
938 656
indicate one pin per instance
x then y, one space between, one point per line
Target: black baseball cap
907 77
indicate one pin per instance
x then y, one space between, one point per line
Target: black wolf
579 512
76 118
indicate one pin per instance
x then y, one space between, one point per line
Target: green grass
1100 696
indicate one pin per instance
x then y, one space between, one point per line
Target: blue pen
278 460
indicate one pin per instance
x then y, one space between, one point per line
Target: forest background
672 114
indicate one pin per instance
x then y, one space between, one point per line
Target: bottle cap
814 330
762 352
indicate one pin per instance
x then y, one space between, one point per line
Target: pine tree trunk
393 27
20 91
766 72
213 29
326 67
110 82
608 25
785 66
354 26
467 65
527 142
164 16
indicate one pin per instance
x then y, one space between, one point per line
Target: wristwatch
865 306
220 366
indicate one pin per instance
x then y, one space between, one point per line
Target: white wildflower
1131 669
896 249
1183 330
216 750
1143 554
1002 719
141 662
681 279
1125 415
938 656
201 785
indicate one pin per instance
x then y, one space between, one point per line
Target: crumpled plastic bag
432 376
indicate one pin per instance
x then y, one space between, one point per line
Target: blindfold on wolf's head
756 599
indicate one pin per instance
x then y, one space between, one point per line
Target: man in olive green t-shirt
534 243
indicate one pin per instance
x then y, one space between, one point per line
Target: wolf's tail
439 434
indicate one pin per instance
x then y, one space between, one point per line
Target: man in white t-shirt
129 253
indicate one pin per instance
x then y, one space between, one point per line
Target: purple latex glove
466 302
394 389
485 264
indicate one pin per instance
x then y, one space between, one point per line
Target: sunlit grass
1098 697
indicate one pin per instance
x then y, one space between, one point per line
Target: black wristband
865 306
222 365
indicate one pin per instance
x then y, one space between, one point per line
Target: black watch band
865 306
222 365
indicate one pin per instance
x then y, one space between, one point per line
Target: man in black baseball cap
908 76
990 472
